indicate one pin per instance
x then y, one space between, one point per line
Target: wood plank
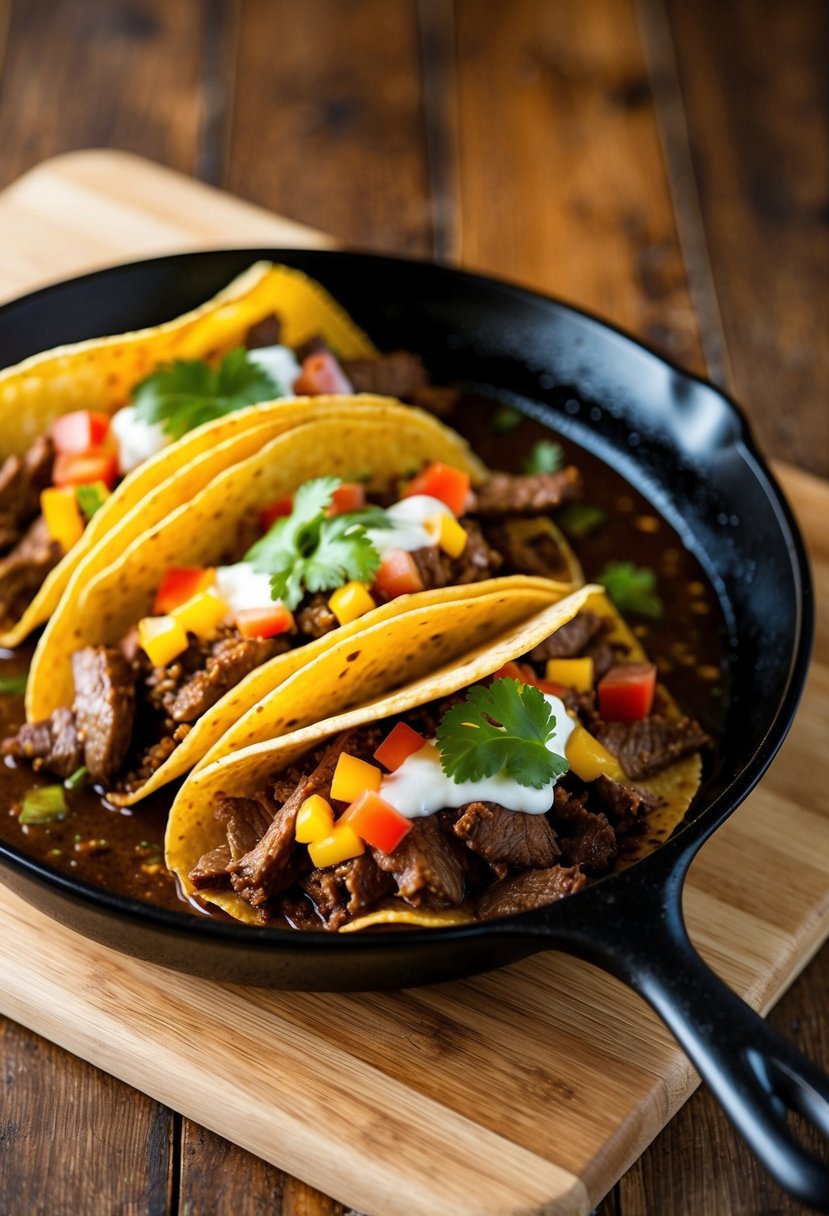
329 131
753 78
87 1144
562 181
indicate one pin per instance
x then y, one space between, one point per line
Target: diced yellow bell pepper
572 673
315 820
64 521
588 758
341 844
202 613
445 531
352 776
351 601
162 638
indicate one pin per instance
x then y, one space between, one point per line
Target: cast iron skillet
687 448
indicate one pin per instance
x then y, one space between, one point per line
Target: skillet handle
752 1071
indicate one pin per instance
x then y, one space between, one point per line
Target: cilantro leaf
544 457
90 498
187 392
578 520
632 589
504 727
310 551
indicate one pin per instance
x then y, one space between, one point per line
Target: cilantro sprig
187 392
632 589
504 727
309 550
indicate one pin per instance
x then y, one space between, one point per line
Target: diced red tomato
350 496
276 510
626 692
264 622
525 673
397 575
82 468
401 743
442 481
321 373
180 584
376 821
79 431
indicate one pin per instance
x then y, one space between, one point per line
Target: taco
91 431
499 783
146 665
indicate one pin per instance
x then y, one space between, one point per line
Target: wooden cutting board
526 1091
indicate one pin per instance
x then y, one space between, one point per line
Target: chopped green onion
505 419
90 498
545 457
43 804
77 779
13 686
632 589
579 520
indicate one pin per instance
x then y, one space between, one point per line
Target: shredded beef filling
23 571
651 744
524 494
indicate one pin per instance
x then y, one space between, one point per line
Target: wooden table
661 164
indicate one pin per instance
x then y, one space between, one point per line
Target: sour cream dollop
420 787
281 363
137 440
241 587
407 518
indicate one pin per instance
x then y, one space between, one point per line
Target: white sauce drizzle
420 786
281 363
137 440
407 518
241 587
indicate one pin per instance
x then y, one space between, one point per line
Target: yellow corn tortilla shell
424 918
191 827
192 830
101 373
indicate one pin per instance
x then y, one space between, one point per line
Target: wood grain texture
329 130
754 82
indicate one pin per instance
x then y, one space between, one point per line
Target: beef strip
52 744
528 546
625 803
104 708
347 890
524 493
314 618
605 655
532 889
569 640
246 820
585 838
23 571
265 869
477 562
650 744
21 483
397 374
267 332
502 837
211 869
426 867
229 660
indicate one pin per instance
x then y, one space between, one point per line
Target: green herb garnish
91 498
505 419
77 780
309 550
44 804
545 457
504 727
578 520
184 394
13 686
632 589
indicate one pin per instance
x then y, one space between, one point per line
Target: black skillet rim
676 852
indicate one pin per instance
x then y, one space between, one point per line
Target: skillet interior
676 439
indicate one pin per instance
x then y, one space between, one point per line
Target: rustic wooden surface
524 139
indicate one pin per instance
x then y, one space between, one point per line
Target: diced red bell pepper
179 585
264 622
274 511
525 673
79 431
321 373
401 743
626 692
350 496
397 575
442 481
376 821
83 468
